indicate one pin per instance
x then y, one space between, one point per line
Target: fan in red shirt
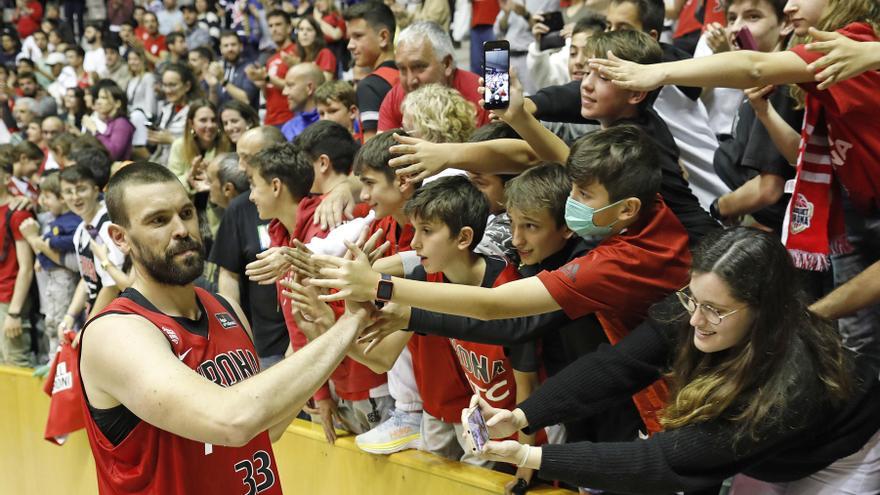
643 258
153 42
271 77
173 398
424 55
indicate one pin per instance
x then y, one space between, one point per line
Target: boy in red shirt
16 275
642 257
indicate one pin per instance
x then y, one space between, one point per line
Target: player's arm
276 431
125 360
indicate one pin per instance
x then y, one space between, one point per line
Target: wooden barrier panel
30 465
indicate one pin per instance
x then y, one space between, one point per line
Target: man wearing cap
63 76
195 36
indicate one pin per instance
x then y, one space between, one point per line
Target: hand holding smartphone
745 40
479 432
496 74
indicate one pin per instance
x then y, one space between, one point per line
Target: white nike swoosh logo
183 356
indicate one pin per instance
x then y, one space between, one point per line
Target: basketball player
173 400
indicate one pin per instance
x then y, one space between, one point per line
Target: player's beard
168 270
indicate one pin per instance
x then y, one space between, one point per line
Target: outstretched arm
741 69
125 360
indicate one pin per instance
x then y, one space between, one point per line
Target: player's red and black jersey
148 460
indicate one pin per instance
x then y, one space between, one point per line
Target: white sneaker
401 431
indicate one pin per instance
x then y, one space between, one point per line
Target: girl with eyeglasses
760 389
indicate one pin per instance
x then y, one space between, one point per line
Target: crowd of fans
637 133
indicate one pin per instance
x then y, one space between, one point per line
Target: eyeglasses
711 314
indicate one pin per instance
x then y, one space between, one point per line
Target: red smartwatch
384 290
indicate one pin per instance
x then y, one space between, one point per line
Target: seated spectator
26 160
45 104
16 276
551 68
235 83
60 147
202 139
236 118
75 58
111 125
199 61
336 101
149 38
116 67
170 17
50 128
300 84
24 114
180 87
424 55
781 425
208 19
27 16
141 100
196 35
63 77
74 109
311 47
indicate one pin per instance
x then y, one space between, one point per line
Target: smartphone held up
496 74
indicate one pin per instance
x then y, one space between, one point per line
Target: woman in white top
180 88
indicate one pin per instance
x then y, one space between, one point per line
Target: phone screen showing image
496 74
478 429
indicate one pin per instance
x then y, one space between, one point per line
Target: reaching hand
19 203
301 261
500 422
719 38
392 318
420 159
326 409
271 265
29 227
844 57
312 315
515 107
354 279
628 75
369 246
336 207
758 99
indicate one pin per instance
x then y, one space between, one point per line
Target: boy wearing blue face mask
642 257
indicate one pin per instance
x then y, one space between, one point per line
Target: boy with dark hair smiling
642 257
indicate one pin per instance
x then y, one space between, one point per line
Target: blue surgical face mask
579 218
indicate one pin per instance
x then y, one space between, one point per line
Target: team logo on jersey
226 320
63 379
172 336
801 215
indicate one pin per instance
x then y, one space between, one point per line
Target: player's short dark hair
287 163
545 187
133 175
374 154
651 13
621 158
376 14
453 201
326 137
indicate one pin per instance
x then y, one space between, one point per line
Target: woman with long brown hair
759 386
311 47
